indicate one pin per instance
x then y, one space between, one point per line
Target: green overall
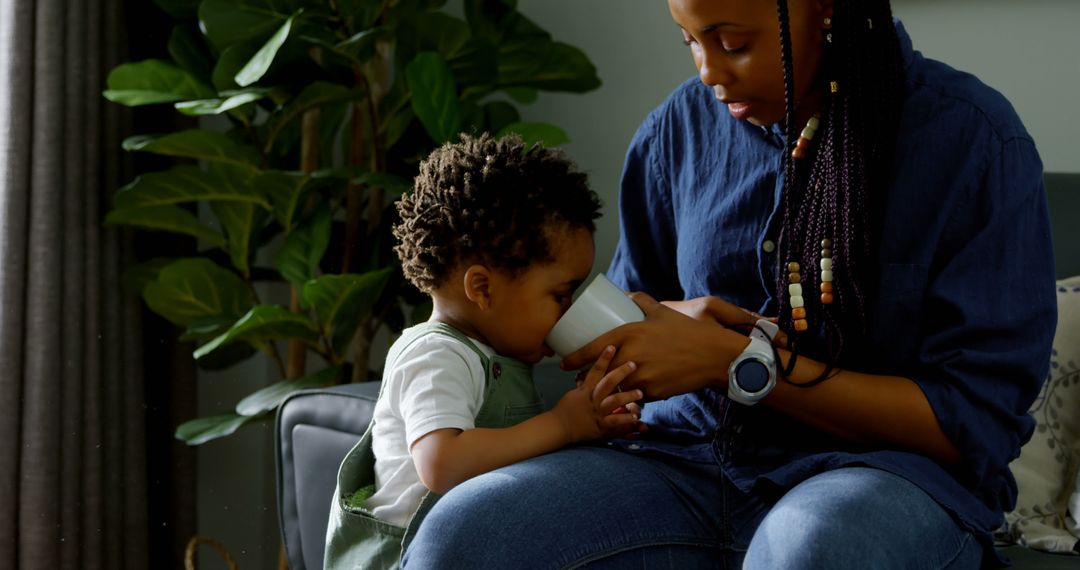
355 539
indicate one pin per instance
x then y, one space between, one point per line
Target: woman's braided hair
490 201
837 193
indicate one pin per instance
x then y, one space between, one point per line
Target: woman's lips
739 109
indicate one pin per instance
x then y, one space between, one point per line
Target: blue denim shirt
965 308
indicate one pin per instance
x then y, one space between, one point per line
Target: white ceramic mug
601 307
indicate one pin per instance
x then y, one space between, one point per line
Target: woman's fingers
644 301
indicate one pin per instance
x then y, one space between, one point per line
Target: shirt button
768 246
496 369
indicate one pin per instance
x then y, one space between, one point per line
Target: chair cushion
314 431
1046 470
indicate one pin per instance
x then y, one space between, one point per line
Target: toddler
500 236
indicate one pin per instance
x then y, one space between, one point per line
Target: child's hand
586 411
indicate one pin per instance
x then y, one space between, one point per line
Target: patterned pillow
1046 471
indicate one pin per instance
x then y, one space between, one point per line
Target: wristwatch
752 375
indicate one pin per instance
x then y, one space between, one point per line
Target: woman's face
736 48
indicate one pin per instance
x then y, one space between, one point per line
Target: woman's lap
858 517
601 507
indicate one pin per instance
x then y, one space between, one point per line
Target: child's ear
478 286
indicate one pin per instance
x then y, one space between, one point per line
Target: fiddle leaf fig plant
313 116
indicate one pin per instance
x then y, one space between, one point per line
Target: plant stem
378 160
362 351
309 162
353 199
297 362
272 348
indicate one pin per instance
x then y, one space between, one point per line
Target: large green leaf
330 295
543 133
153 81
476 67
198 144
183 184
495 19
284 191
231 22
188 49
239 220
359 15
393 184
433 31
269 398
202 430
230 100
136 277
206 328
497 115
166 218
263 323
434 96
551 66
473 61
401 10
341 302
191 288
315 95
360 47
230 62
299 257
260 63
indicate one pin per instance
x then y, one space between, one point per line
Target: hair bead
795 294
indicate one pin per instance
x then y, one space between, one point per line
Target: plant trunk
296 363
362 352
354 208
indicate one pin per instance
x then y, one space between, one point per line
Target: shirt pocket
896 317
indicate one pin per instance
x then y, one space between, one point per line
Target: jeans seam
963 544
642 543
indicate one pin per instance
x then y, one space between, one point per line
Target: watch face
752 375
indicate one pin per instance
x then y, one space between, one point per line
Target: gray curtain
73 484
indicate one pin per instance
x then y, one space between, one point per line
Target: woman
888 213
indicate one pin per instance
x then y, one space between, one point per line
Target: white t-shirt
436 383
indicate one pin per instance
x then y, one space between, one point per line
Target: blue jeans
602 508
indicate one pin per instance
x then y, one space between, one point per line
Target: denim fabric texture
620 510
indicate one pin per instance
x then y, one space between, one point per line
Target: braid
847 174
784 246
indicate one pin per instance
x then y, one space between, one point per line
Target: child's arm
446 457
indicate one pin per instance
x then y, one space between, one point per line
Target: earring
828 29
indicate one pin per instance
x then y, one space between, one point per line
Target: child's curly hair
490 201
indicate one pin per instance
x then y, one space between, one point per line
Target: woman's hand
588 411
717 310
674 354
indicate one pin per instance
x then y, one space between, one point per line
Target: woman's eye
733 45
686 39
